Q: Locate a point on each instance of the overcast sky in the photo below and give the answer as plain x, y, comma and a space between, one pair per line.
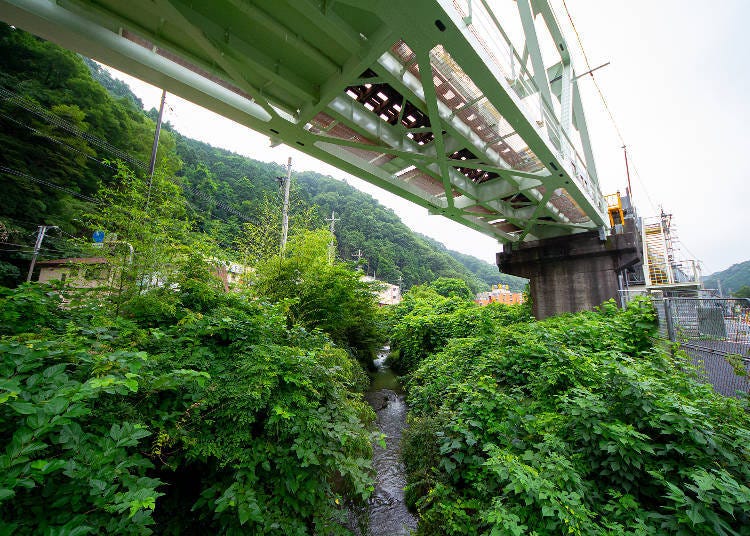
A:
678, 86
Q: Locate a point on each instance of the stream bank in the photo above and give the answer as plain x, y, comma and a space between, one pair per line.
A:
388, 513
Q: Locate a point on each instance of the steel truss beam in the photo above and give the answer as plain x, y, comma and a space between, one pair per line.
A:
299, 67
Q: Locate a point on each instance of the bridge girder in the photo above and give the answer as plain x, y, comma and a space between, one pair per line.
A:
450, 130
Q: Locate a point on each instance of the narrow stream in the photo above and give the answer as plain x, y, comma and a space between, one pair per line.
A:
388, 513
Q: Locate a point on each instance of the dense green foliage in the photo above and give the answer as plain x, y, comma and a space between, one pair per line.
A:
222, 420
573, 425
732, 279
742, 292
159, 401
323, 295
429, 316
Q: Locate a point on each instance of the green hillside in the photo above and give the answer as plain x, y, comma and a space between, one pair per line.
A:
484, 270
734, 277
389, 249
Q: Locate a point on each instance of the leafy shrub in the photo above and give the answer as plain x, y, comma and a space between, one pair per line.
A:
27, 308
573, 425
322, 295
425, 321
452, 288
223, 420
62, 470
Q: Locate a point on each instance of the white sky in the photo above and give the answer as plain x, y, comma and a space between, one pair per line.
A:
678, 87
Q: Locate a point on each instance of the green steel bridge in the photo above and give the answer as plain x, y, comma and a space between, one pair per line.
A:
469, 108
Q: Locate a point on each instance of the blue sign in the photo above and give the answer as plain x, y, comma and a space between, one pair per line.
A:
98, 237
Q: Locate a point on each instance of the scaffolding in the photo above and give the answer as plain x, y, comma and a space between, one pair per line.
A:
662, 267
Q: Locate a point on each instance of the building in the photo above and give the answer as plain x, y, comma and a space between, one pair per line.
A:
96, 272
388, 295
78, 272
499, 294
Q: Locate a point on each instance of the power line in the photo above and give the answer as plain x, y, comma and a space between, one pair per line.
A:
172, 179
54, 119
606, 104
591, 73
8, 218
103, 144
57, 141
13, 244
24, 247
17, 173
637, 174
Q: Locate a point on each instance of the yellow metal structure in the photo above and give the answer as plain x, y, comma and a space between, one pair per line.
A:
614, 208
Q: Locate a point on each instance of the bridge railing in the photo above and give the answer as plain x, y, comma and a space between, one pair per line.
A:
488, 31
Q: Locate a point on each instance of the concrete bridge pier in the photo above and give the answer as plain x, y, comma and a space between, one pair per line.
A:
571, 273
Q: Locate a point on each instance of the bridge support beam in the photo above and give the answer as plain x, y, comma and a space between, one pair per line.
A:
571, 273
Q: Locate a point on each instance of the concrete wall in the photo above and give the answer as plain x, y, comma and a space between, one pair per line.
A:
571, 273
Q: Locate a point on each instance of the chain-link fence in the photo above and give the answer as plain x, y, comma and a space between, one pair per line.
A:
715, 333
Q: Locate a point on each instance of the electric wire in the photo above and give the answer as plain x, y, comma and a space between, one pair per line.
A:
16, 173
14, 244
615, 125
8, 218
605, 102
54, 119
57, 141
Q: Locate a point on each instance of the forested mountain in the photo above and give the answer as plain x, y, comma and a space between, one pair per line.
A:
389, 249
483, 270
65, 111
54, 118
732, 279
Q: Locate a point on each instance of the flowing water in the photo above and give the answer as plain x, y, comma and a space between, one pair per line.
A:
388, 513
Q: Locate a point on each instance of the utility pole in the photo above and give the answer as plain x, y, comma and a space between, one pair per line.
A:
285, 182
627, 172
157, 133
39, 238
358, 256
331, 247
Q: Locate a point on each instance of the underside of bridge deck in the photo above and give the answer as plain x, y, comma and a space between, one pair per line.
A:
456, 105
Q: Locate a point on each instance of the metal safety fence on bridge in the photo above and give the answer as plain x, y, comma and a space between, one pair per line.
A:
715, 334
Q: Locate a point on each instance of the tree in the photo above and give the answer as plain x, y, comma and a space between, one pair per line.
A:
53, 109
148, 240
742, 292
452, 287
322, 295
261, 239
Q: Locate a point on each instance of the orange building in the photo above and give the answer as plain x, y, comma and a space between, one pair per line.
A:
499, 294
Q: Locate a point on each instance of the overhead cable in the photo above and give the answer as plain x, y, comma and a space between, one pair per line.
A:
605, 103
